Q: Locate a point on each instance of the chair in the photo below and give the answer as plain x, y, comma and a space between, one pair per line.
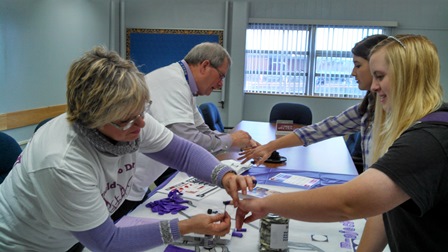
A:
353, 143
298, 113
200, 111
42, 123
211, 116
9, 151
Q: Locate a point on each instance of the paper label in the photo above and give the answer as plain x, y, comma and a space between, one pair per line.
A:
279, 236
294, 180
283, 127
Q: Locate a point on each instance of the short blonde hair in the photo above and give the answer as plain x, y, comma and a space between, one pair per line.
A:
415, 89
102, 87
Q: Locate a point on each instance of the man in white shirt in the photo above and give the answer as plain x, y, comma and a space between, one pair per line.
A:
173, 89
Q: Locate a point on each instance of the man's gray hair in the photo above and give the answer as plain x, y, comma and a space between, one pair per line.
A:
213, 52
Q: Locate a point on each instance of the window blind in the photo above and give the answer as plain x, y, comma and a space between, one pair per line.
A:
303, 59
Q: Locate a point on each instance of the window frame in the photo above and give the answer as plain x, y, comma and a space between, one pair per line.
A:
311, 55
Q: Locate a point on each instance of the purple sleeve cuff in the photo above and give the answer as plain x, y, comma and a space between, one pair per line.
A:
174, 225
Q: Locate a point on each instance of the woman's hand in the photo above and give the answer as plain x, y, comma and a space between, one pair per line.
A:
259, 154
234, 183
246, 206
218, 224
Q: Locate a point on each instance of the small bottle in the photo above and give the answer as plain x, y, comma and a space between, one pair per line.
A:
209, 242
274, 233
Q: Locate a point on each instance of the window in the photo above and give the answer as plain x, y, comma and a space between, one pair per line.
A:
305, 60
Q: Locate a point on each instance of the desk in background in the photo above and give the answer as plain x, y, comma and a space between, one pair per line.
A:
329, 156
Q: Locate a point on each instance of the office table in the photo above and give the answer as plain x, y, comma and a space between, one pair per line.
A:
329, 156
328, 160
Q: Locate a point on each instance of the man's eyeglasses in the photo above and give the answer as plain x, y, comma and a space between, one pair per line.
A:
221, 74
125, 125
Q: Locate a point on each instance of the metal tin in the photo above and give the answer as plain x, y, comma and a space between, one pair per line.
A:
274, 233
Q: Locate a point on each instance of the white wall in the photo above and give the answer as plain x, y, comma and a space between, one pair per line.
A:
38, 41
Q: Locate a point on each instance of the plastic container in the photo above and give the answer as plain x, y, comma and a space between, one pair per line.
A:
274, 231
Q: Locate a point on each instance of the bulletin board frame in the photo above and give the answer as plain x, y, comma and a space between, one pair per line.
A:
150, 49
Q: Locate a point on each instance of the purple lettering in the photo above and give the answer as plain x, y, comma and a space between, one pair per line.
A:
111, 186
347, 244
348, 223
351, 235
129, 167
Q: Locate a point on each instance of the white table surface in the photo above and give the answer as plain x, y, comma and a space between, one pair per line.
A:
299, 232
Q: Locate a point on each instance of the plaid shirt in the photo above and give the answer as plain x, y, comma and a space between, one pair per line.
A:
348, 122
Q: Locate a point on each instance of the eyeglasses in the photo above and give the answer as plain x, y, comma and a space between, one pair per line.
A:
398, 41
125, 125
221, 74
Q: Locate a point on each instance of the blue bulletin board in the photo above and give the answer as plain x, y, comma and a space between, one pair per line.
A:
154, 48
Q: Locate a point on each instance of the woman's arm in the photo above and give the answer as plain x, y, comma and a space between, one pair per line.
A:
189, 157
330, 203
108, 237
374, 236
348, 121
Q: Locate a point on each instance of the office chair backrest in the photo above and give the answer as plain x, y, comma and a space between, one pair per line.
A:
299, 113
211, 116
200, 111
9, 151
42, 123
353, 143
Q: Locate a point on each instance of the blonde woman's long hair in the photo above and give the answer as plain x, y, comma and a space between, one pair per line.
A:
415, 90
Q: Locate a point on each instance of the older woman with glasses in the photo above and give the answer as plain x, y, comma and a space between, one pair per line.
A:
405, 190
78, 168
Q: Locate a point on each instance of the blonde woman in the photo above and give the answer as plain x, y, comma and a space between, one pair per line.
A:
404, 193
78, 168
357, 118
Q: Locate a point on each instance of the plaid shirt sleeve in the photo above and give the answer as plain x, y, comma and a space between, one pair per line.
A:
346, 122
